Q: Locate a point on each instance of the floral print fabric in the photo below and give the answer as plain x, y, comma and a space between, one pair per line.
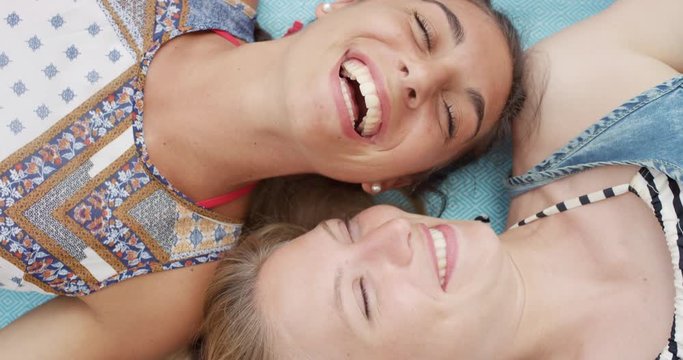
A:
80, 207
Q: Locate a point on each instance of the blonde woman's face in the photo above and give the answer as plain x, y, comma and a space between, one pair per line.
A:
385, 285
382, 88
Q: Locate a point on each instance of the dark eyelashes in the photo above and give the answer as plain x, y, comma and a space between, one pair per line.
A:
451, 119
425, 27
364, 293
361, 282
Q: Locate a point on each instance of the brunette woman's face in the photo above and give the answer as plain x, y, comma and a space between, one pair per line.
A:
377, 89
388, 285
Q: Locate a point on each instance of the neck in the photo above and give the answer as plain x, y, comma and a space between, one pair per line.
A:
240, 131
559, 301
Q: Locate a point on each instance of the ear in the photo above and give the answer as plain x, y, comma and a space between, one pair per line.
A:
390, 184
336, 5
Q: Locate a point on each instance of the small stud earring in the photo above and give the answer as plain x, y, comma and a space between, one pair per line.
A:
376, 188
327, 7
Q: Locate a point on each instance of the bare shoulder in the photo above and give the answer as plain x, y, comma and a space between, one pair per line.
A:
651, 28
628, 35
141, 318
582, 73
164, 309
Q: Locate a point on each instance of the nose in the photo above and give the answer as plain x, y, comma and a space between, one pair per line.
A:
390, 244
422, 78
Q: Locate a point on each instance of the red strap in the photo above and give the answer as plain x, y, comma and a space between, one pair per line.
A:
226, 35
296, 26
234, 195
227, 198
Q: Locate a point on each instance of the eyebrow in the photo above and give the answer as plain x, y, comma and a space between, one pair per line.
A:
479, 104
337, 291
456, 27
338, 274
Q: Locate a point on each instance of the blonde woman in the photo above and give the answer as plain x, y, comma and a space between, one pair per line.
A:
589, 269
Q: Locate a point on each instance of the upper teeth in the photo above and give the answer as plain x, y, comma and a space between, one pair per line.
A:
440, 247
356, 70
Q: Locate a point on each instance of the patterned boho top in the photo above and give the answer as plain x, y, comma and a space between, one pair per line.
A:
81, 207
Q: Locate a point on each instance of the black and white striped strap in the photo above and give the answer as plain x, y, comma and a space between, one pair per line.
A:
576, 202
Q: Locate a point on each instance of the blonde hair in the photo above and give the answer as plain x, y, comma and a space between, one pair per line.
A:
234, 327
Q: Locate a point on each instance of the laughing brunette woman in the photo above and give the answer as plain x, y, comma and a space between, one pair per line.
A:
137, 130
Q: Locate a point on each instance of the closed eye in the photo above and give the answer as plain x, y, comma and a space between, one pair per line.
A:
450, 113
426, 28
364, 294
361, 282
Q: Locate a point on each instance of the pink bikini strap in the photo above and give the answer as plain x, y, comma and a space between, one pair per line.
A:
226, 35
226, 198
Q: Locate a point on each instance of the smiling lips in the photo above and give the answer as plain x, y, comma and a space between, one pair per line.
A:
444, 248
360, 97
441, 258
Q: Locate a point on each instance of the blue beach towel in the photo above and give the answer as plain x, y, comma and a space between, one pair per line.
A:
473, 190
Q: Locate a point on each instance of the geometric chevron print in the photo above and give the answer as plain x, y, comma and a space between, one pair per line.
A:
179, 232
156, 214
81, 207
40, 213
134, 13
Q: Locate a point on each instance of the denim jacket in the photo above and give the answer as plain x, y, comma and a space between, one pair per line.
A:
645, 131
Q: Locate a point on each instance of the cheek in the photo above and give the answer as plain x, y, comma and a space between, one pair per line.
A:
496, 86
490, 243
406, 303
424, 152
386, 24
419, 338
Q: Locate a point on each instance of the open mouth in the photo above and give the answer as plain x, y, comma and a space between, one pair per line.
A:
360, 96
